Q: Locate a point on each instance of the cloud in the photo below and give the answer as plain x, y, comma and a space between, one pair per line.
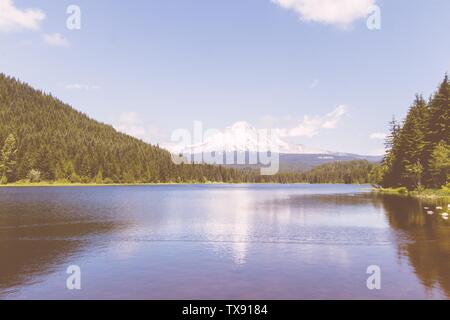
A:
311, 125
341, 13
378, 136
331, 119
55, 40
14, 19
131, 123
78, 86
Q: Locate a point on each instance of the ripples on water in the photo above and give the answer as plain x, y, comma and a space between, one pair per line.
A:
220, 242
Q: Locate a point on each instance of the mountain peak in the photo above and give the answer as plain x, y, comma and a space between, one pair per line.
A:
242, 125
243, 137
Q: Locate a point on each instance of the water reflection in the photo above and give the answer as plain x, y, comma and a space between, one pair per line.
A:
423, 239
42, 229
240, 241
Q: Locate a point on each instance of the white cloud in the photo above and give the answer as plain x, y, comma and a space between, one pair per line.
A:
55, 40
14, 19
341, 13
311, 125
378, 136
78, 86
331, 119
132, 123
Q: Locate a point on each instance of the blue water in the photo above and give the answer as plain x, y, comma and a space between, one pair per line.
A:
220, 242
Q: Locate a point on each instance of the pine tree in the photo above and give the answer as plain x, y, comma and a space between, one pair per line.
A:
439, 120
8, 159
439, 165
392, 159
412, 143
438, 126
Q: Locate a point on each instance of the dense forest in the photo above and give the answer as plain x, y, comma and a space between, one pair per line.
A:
356, 171
418, 150
43, 139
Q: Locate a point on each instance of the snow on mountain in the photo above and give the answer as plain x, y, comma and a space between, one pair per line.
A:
243, 137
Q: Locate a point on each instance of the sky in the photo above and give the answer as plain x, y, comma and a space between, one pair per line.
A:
312, 68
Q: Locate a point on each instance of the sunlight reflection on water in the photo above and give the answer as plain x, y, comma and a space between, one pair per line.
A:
220, 242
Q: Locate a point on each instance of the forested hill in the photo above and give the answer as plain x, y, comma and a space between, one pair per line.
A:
44, 139
355, 171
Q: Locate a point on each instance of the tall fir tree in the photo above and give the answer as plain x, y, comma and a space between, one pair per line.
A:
438, 126
8, 161
439, 119
412, 143
391, 161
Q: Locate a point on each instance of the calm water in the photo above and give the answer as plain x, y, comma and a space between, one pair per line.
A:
220, 242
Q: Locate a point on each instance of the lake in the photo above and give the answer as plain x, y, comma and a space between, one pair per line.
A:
220, 242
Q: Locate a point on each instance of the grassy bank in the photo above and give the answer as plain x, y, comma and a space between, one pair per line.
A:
430, 194
26, 184
69, 184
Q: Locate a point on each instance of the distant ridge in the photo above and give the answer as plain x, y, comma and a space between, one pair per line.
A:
242, 137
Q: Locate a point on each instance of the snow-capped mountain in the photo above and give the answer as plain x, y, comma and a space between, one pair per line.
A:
243, 137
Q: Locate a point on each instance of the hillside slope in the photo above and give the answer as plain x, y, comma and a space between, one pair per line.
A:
46, 138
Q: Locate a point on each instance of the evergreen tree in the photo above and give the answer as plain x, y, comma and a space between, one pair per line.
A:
412, 143
9, 158
392, 159
418, 152
439, 165
438, 127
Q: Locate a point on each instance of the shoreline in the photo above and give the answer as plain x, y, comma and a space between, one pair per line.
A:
60, 184
427, 194
56, 184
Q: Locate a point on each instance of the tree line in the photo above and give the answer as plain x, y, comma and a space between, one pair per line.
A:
418, 149
44, 139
